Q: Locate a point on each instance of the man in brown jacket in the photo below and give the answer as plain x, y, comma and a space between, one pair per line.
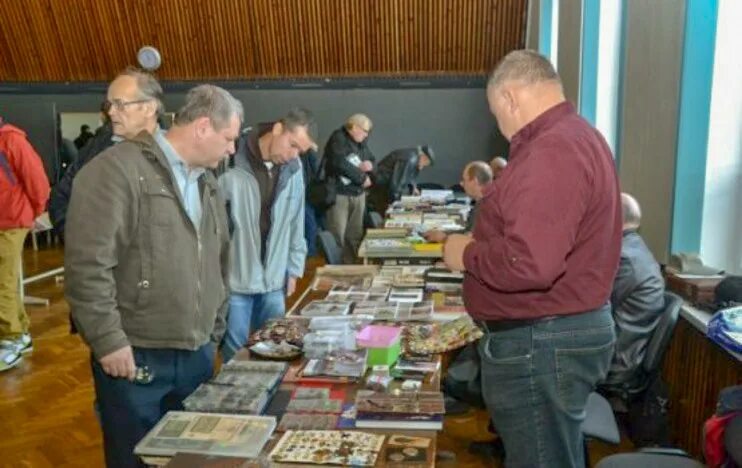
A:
146, 264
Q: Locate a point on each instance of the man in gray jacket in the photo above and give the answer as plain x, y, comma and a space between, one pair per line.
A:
146, 265
264, 188
637, 301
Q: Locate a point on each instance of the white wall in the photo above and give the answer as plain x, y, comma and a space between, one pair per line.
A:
609, 53
721, 234
72, 121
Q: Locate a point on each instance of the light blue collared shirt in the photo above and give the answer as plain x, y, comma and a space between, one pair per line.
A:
186, 179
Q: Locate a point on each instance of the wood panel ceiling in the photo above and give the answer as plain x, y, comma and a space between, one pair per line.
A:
91, 40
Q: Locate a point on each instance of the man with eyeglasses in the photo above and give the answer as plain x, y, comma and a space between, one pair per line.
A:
264, 188
133, 104
147, 262
349, 165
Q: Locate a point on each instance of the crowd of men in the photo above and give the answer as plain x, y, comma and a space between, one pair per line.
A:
179, 242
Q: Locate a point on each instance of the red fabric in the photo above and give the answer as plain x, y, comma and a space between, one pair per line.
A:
548, 232
24, 187
713, 435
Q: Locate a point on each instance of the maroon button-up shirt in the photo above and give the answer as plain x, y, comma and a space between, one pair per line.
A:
548, 235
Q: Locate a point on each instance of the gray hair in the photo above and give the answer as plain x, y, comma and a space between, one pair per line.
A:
209, 101
148, 86
527, 66
297, 117
359, 120
632, 213
479, 170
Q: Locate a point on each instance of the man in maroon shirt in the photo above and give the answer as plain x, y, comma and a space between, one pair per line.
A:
540, 265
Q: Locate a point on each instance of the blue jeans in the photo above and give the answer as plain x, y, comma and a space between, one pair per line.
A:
129, 410
249, 312
535, 383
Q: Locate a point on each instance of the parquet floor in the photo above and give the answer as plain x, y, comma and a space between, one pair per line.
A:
46, 403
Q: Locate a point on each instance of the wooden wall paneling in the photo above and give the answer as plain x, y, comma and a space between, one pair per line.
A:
695, 370
92, 40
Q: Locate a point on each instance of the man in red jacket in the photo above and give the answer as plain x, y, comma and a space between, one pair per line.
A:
540, 266
24, 190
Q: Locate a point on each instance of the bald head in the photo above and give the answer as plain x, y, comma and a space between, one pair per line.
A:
522, 86
632, 213
497, 164
476, 176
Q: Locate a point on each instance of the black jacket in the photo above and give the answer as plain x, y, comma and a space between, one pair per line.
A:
310, 166
637, 301
62, 191
339, 149
396, 171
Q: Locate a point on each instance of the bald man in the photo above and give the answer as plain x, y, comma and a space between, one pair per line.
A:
637, 301
474, 179
498, 164
540, 265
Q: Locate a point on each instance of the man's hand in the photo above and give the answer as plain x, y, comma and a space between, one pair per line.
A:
366, 166
290, 286
367, 182
119, 364
453, 251
435, 235
416, 192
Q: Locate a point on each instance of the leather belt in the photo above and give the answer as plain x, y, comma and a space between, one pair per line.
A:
505, 325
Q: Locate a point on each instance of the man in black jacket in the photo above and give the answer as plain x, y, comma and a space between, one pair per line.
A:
396, 171
637, 301
84, 136
349, 166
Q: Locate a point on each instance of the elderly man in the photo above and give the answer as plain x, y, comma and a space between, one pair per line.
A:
265, 191
637, 300
498, 164
349, 165
134, 103
398, 170
146, 265
540, 266
476, 177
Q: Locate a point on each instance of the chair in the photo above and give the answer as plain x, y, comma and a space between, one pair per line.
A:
330, 248
650, 458
375, 219
600, 423
660, 339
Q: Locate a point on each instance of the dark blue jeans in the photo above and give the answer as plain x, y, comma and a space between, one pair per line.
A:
311, 227
535, 383
129, 410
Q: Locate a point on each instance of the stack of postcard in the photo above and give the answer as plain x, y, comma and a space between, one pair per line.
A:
326, 308
347, 275
356, 294
328, 447
395, 311
226, 435
406, 295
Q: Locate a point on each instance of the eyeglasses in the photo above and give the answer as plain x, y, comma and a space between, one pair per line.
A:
120, 105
